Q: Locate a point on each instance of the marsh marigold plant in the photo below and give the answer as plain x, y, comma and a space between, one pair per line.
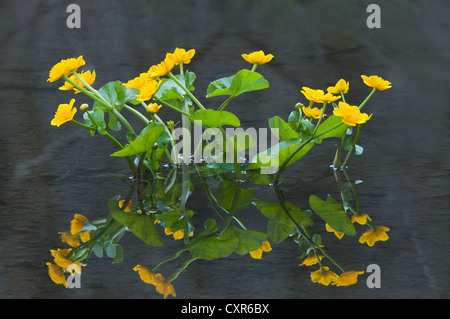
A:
160, 183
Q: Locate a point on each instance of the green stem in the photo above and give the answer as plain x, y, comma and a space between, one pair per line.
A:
91, 128
283, 166
137, 113
173, 78
225, 104
320, 118
170, 106
98, 98
353, 147
230, 147
367, 98
255, 65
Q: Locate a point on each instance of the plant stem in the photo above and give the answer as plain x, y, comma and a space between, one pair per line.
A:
173, 78
367, 98
170, 105
283, 166
353, 147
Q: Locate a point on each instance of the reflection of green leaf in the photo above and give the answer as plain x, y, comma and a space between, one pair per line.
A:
140, 225
209, 246
280, 226
212, 118
333, 214
141, 144
226, 194
243, 81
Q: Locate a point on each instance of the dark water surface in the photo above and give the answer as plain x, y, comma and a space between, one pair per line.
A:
48, 173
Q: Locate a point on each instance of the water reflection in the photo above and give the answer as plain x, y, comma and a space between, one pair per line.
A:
157, 206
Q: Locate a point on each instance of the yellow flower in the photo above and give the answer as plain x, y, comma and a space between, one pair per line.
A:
146, 275
153, 108
148, 90
311, 260
139, 82
331, 230
377, 82
163, 68
348, 278
180, 55
163, 287
77, 224
257, 57
351, 115
179, 234
129, 206
56, 274
360, 218
65, 67
313, 112
341, 86
324, 276
265, 247
371, 237
65, 113
87, 77
328, 98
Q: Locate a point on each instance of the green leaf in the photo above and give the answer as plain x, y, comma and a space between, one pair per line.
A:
243, 81
141, 144
332, 212
281, 129
212, 118
329, 123
141, 225
280, 226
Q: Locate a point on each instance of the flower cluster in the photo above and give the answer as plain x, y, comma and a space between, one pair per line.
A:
62, 262
162, 286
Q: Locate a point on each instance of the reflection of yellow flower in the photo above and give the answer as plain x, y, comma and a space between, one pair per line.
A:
265, 247
148, 90
183, 56
377, 82
65, 67
351, 115
71, 240
163, 287
129, 206
163, 68
331, 230
56, 274
348, 278
324, 276
146, 275
360, 218
372, 236
179, 234
341, 86
313, 112
87, 77
77, 224
65, 113
311, 260
257, 57
60, 257
153, 108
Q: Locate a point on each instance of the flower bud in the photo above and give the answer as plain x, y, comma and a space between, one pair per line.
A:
299, 106
84, 107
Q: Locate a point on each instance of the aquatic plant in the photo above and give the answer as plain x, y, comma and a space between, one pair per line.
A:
161, 175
